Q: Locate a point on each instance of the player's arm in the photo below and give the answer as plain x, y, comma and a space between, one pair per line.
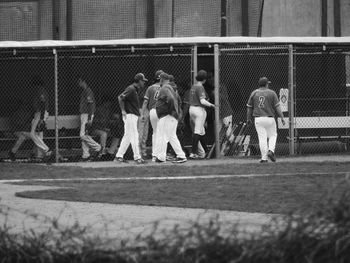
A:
121, 99
202, 98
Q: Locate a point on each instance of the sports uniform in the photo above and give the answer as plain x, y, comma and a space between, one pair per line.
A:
87, 110
262, 104
198, 102
149, 105
130, 105
29, 123
167, 110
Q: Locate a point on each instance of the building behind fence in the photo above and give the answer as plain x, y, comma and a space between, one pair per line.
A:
24, 20
312, 79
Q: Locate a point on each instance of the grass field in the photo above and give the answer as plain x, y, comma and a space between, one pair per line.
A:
284, 187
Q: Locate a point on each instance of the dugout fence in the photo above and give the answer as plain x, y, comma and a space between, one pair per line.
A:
312, 80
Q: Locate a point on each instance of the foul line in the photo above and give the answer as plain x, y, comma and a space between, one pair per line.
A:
155, 178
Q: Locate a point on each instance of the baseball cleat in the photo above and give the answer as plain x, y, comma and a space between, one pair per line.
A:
140, 161
87, 159
159, 161
180, 160
263, 161
193, 156
271, 156
120, 160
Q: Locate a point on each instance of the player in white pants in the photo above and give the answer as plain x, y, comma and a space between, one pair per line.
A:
167, 109
129, 104
87, 110
198, 101
262, 105
149, 104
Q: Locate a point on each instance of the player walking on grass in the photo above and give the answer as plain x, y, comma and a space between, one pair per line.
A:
87, 110
129, 104
262, 104
149, 105
167, 109
198, 102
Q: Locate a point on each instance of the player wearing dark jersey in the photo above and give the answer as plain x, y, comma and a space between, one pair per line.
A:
263, 104
198, 102
130, 106
87, 110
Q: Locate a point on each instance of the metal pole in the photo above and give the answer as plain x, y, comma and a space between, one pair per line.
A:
217, 99
291, 104
195, 64
56, 106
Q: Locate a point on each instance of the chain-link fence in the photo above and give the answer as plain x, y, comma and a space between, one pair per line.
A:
312, 83
127, 19
322, 98
240, 69
106, 71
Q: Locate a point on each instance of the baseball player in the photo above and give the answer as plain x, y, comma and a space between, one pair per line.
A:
198, 102
149, 105
30, 124
87, 110
262, 105
167, 109
130, 106
107, 123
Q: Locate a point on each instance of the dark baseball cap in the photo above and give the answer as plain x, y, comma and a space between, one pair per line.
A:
140, 76
157, 75
165, 76
263, 82
201, 75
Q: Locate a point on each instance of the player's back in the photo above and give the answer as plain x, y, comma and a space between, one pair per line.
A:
263, 101
151, 95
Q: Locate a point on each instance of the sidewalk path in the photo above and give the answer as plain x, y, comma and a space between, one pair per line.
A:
109, 219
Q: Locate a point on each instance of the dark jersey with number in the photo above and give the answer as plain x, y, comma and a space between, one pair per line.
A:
264, 102
151, 95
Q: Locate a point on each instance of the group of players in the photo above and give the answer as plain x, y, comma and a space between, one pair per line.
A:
162, 107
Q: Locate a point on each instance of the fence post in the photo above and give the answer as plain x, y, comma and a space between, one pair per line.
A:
56, 106
217, 100
194, 63
291, 102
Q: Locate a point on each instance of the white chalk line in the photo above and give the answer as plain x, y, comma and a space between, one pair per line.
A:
159, 178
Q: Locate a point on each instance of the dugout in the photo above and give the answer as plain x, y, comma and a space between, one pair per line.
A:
315, 71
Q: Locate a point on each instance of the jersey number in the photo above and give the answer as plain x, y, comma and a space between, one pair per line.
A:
261, 102
156, 95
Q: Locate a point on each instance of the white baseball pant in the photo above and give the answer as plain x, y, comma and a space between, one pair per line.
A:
198, 117
131, 136
40, 147
166, 132
102, 135
86, 140
267, 133
154, 122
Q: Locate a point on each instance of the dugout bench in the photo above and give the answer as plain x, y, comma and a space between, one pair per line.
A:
68, 125
320, 128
